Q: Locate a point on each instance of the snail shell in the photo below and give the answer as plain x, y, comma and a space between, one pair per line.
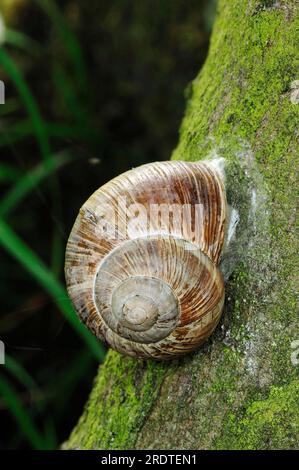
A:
145, 287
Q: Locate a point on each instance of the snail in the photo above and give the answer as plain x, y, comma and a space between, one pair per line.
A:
142, 259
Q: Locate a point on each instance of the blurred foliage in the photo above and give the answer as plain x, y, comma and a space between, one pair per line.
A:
92, 89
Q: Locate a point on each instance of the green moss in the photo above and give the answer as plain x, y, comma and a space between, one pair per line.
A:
122, 397
240, 108
272, 423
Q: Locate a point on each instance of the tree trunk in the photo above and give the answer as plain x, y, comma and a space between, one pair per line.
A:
241, 389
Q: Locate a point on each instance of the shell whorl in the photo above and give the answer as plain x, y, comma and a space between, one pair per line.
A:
148, 288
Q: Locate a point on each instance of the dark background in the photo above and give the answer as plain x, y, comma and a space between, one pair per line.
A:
92, 89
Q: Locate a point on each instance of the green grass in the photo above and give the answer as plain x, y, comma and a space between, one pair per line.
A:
30, 181
76, 108
19, 372
22, 41
23, 418
59, 391
8, 173
43, 275
69, 40
74, 89
29, 102
13, 133
24, 184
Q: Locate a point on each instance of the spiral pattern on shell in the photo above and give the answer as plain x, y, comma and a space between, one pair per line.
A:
147, 288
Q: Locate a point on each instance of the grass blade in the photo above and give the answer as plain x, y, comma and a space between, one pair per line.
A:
19, 372
22, 41
29, 101
8, 173
20, 414
29, 181
69, 39
79, 113
20, 130
31, 262
12, 133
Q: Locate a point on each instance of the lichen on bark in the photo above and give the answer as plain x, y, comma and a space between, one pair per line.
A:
240, 390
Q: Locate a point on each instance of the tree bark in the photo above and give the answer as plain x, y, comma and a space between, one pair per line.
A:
241, 389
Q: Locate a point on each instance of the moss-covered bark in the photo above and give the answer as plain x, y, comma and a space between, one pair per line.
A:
241, 389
